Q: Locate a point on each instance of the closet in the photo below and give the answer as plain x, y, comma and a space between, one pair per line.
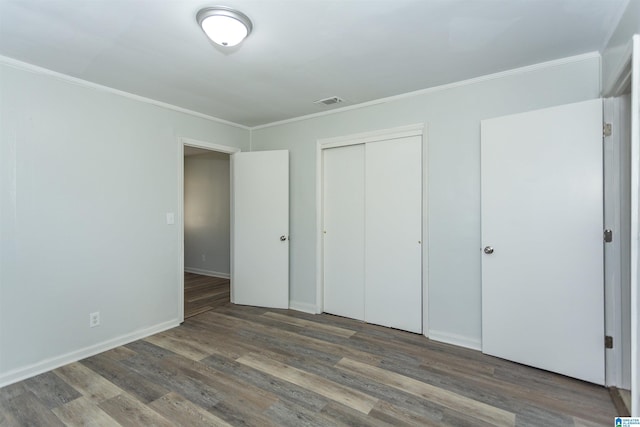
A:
372, 231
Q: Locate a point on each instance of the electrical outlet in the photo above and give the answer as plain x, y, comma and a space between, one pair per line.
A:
94, 319
204, 258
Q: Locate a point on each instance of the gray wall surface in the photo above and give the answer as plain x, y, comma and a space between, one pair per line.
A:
452, 116
86, 180
206, 214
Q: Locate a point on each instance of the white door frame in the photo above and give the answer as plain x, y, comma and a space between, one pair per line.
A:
612, 252
617, 256
635, 211
362, 138
211, 147
626, 79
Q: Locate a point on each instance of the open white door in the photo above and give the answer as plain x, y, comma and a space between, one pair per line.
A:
260, 263
542, 225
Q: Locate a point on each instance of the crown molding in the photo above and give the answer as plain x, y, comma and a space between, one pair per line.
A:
488, 77
24, 66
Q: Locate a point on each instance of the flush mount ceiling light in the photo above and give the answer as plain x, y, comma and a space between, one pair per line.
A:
223, 25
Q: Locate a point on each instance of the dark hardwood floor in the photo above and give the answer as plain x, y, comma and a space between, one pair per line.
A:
203, 293
247, 366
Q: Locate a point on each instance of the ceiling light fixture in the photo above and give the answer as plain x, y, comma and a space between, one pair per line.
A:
223, 25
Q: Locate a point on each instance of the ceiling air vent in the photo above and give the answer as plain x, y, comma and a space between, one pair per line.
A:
329, 101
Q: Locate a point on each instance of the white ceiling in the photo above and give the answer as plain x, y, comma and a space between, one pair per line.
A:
300, 50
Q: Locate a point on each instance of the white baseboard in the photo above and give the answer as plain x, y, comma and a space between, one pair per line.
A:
207, 272
459, 340
56, 362
305, 307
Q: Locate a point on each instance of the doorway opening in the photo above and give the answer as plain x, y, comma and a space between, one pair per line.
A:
205, 226
207, 230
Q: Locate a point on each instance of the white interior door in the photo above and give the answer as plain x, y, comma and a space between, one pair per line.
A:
343, 228
393, 263
260, 265
542, 202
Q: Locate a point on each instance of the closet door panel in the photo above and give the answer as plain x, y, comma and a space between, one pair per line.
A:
343, 192
393, 206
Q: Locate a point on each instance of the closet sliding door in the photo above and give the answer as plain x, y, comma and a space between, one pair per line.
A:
393, 260
372, 228
344, 231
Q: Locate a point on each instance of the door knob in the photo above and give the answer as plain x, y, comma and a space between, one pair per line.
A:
488, 250
283, 238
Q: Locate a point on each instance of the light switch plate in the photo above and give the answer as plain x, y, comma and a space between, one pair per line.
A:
171, 219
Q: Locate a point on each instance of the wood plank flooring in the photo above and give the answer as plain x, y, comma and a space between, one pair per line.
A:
203, 293
247, 366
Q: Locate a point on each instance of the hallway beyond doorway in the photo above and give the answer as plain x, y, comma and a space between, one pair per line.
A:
203, 293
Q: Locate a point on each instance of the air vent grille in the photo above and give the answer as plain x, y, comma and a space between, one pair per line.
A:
329, 101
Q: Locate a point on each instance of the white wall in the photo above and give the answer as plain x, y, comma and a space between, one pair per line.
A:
86, 178
206, 214
453, 115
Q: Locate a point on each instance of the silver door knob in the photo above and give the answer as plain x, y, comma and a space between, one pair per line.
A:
283, 238
488, 250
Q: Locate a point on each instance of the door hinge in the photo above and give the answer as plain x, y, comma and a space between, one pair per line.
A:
608, 236
608, 342
606, 129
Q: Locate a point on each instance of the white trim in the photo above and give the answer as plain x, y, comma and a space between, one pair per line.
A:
207, 273
454, 339
488, 77
209, 146
319, 235
612, 251
181, 268
621, 78
611, 147
372, 136
304, 307
425, 232
24, 66
635, 248
600, 76
74, 80
418, 129
232, 229
619, 84
58, 361
181, 230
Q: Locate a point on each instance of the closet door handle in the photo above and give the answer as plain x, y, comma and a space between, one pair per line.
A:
283, 238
